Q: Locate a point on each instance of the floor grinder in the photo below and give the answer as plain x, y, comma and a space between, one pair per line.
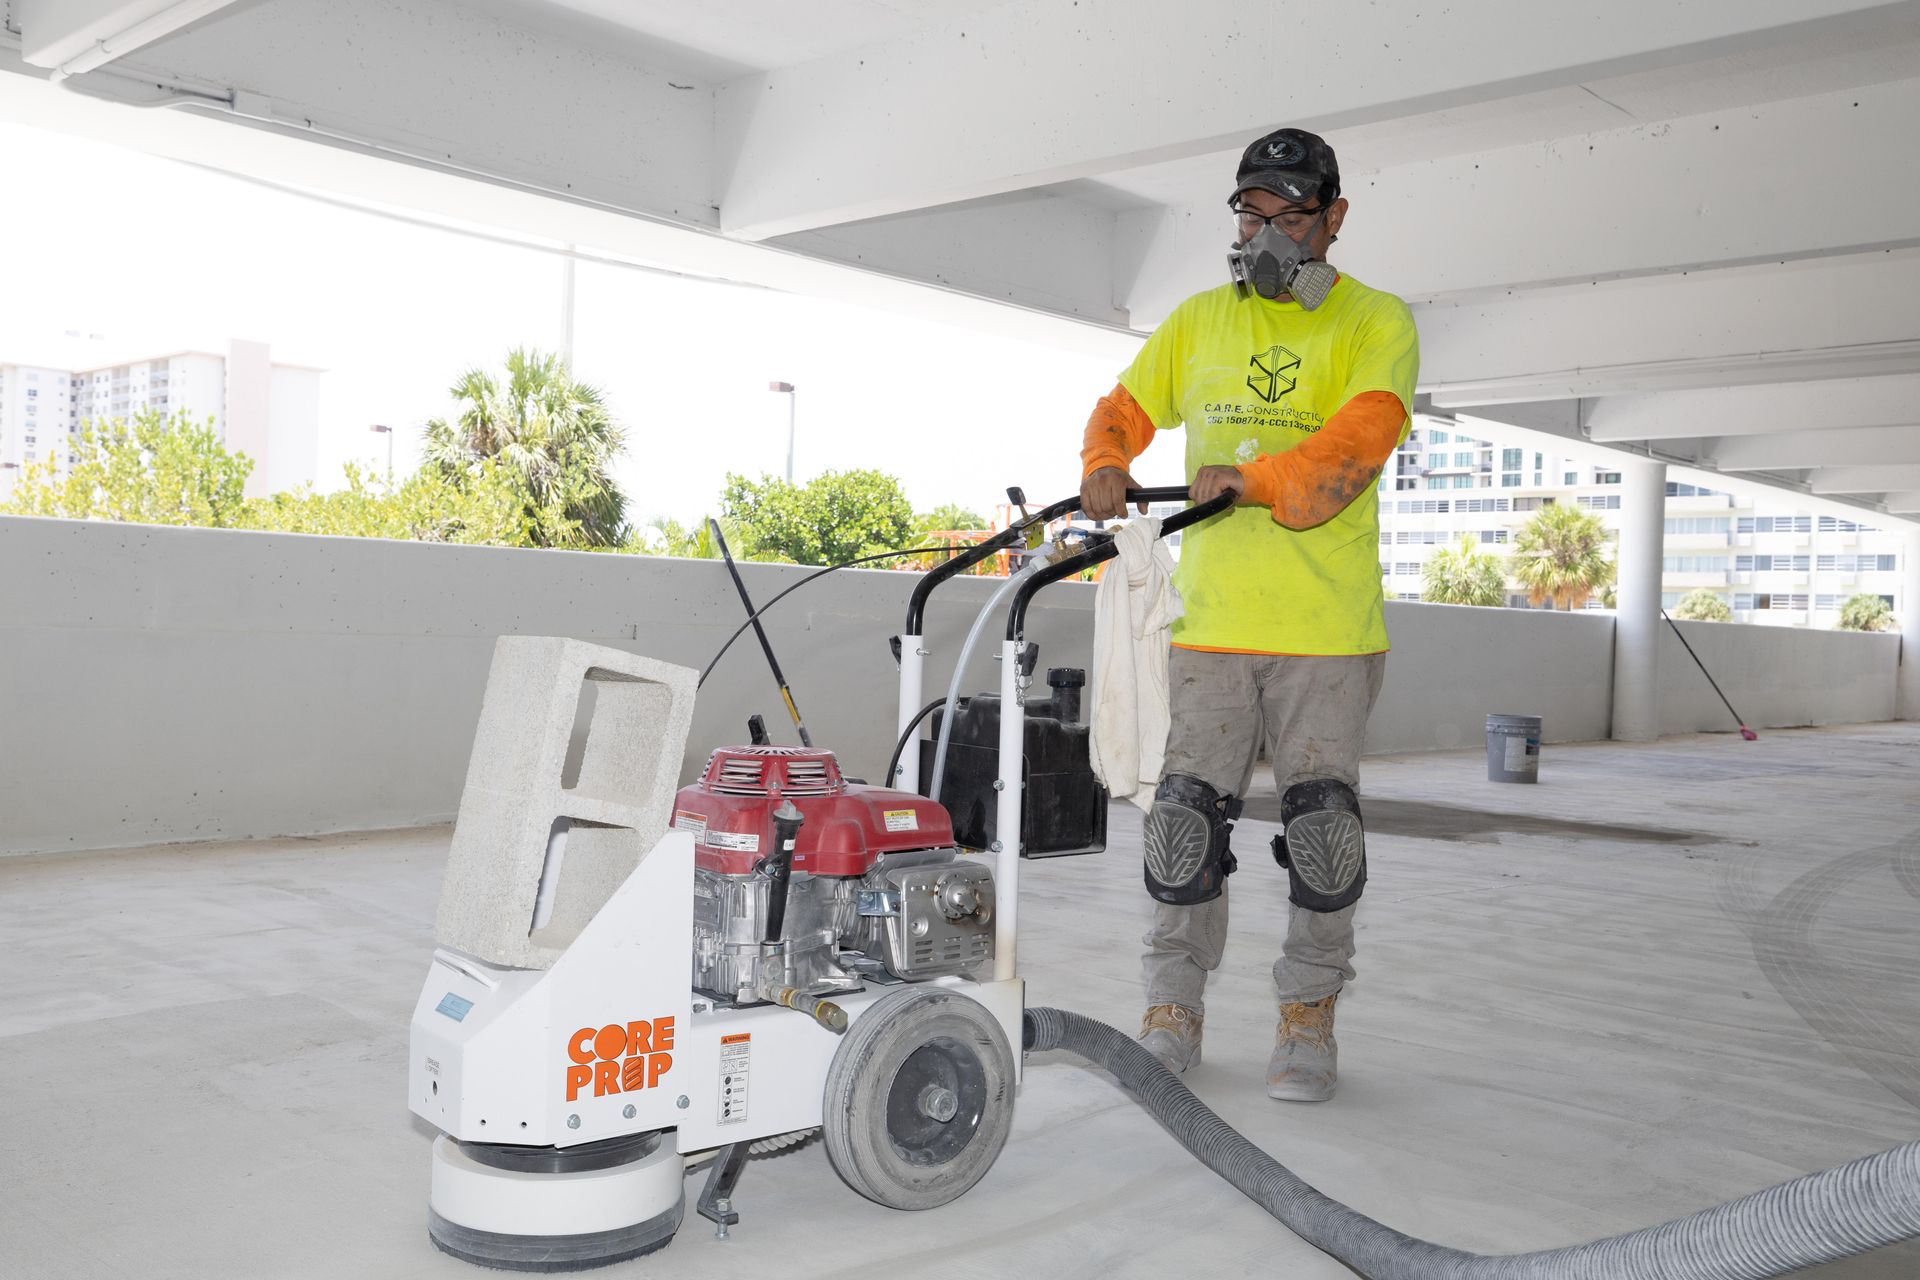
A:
803, 952
798, 951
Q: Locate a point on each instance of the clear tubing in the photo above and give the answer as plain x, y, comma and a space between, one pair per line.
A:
1033, 566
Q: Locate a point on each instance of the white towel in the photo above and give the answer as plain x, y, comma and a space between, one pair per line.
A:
1133, 611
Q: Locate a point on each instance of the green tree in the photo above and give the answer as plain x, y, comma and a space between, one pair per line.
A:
553, 434
1865, 612
1702, 605
489, 507
834, 517
1463, 574
151, 470
1561, 555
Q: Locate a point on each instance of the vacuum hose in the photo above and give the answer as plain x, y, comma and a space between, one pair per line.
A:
1858, 1206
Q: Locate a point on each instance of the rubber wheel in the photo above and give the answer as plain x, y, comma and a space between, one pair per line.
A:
919, 1098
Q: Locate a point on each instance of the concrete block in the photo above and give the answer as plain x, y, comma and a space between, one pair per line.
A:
518, 794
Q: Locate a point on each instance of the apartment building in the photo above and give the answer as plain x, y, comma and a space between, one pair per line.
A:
270, 411
1770, 563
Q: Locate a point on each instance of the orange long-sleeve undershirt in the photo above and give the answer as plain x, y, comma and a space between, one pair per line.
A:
1118, 432
1314, 481
1303, 486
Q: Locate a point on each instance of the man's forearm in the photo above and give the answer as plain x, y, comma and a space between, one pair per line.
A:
1314, 481
1118, 432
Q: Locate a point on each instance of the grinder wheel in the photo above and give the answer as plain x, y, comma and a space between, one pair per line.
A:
919, 1098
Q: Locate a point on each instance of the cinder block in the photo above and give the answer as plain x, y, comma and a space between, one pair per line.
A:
619, 805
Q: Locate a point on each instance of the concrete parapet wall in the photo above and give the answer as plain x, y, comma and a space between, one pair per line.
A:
1778, 676
162, 684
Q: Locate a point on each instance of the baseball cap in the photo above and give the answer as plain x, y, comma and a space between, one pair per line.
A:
1291, 163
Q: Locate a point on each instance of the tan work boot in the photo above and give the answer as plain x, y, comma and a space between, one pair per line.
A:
1303, 1066
1171, 1033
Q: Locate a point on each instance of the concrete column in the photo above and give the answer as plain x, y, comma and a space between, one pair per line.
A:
1637, 621
1907, 687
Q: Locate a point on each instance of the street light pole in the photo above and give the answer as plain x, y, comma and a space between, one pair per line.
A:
787, 387
388, 432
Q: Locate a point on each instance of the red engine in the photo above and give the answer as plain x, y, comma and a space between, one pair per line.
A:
846, 829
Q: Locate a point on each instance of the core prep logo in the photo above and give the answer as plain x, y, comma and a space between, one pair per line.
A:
619, 1057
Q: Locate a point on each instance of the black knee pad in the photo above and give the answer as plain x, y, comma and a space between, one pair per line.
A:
1188, 860
1324, 847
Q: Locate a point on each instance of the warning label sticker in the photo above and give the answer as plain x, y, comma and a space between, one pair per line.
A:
748, 842
1522, 755
902, 820
735, 1064
694, 822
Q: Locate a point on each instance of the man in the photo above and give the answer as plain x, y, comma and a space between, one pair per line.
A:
1294, 385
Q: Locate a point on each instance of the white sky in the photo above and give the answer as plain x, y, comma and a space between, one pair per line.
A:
156, 256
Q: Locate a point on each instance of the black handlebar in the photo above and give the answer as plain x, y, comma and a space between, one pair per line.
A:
1106, 550
917, 602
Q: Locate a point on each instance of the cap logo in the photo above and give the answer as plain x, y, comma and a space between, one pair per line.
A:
1285, 151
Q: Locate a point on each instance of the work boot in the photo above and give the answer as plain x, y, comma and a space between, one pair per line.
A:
1302, 1068
1171, 1033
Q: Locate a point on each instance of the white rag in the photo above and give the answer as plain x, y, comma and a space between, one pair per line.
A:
1133, 611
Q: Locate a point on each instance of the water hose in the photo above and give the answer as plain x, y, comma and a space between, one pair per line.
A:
1862, 1205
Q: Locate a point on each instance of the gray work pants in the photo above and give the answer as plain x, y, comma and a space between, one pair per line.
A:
1313, 713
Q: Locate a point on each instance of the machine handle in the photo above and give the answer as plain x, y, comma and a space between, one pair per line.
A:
923, 589
1106, 550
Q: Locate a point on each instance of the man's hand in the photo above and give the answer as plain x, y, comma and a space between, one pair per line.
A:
1210, 482
1103, 494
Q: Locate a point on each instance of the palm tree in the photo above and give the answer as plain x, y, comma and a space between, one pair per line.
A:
550, 432
1463, 575
1561, 555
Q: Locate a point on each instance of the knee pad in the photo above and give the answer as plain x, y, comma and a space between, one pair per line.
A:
1323, 847
1188, 860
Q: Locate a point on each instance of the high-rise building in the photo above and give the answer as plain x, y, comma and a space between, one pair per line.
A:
266, 410
1768, 561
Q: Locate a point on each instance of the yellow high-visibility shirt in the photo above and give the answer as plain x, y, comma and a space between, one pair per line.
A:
1246, 377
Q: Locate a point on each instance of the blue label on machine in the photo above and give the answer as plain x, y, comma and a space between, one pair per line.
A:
453, 1006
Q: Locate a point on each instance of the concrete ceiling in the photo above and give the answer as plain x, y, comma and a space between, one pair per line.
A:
1691, 232
698, 40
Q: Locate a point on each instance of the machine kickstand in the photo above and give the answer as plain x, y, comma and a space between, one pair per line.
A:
716, 1198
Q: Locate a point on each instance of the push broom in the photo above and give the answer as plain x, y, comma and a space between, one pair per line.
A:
1745, 732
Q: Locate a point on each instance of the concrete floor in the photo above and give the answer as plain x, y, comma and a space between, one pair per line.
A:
1668, 975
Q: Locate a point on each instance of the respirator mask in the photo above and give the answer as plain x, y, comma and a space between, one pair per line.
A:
1271, 263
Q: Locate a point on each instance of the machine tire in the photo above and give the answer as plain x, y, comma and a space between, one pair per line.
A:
881, 1138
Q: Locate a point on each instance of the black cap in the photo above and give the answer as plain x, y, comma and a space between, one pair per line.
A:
1293, 164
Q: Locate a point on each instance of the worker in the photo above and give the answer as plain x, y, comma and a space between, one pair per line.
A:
1294, 384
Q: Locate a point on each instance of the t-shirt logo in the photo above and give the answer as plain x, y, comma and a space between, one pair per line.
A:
1269, 378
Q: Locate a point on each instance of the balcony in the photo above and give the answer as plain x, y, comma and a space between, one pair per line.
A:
1676, 543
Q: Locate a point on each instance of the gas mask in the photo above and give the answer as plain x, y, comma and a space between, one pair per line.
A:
1273, 263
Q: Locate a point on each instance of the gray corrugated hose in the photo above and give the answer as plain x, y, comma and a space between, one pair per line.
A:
1858, 1206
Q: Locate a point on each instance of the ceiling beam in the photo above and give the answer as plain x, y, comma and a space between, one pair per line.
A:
1687, 373
1903, 502
1031, 249
71, 37
1839, 446
1690, 194
1727, 315
1874, 479
1797, 409
1038, 92
430, 83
